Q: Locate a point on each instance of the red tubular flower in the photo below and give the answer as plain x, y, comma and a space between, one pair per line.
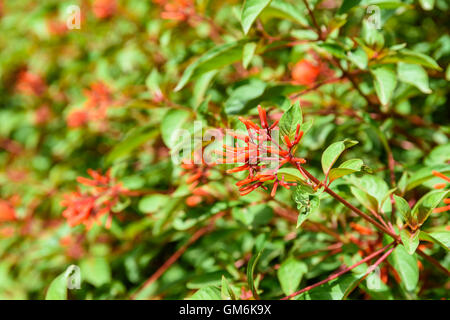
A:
198, 173
442, 186
30, 84
89, 207
259, 151
99, 99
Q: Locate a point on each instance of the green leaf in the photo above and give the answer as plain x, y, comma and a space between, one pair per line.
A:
251, 11
335, 289
290, 275
385, 81
251, 271
240, 96
427, 5
414, 75
286, 11
133, 140
441, 238
289, 121
334, 49
173, 120
427, 204
227, 292
347, 5
253, 216
333, 152
152, 203
96, 271
348, 167
439, 155
307, 201
215, 58
372, 185
365, 199
410, 240
58, 288
207, 293
358, 57
248, 52
404, 209
290, 174
406, 266
413, 57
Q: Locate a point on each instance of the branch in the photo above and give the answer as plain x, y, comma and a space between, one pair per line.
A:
372, 268
433, 262
314, 21
350, 206
338, 274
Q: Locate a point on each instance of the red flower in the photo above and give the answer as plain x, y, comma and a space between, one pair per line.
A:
77, 118
89, 207
99, 98
30, 84
442, 186
305, 72
197, 175
7, 212
179, 10
56, 28
104, 8
261, 150
42, 114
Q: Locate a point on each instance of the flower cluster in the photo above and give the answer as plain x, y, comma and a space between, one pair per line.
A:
179, 10
99, 98
259, 154
197, 177
89, 207
442, 185
30, 84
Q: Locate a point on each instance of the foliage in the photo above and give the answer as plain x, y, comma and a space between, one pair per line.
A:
257, 149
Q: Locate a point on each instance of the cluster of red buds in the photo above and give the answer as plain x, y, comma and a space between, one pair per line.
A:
104, 9
30, 84
179, 10
442, 185
99, 98
197, 176
261, 150
89, 207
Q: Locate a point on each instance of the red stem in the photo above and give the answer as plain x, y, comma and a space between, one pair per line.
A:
350, 206
433, 261
338, 274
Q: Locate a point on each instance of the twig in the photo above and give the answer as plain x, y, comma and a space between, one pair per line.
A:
372, 268
350, 206
338, 274
433, 262
314, 21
